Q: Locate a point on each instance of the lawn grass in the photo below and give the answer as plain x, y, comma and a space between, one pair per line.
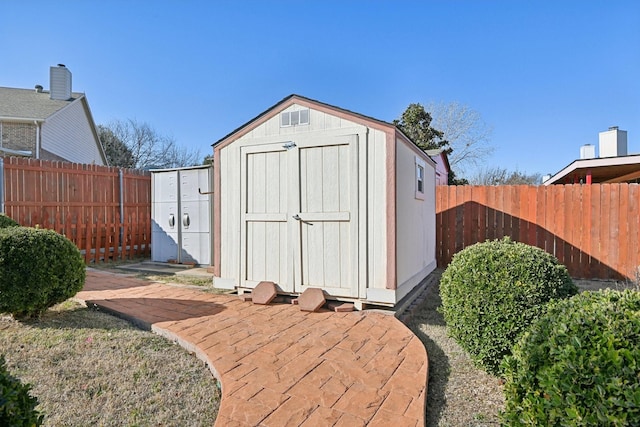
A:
90, 368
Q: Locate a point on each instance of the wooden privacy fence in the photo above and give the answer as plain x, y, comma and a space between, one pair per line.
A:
105, 211
592, 229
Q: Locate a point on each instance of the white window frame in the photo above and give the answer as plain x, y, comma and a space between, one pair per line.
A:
421, 166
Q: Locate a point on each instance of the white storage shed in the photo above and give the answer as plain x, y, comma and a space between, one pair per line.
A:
181, 215
312, 195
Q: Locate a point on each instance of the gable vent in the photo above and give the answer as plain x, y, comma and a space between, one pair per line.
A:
294, 118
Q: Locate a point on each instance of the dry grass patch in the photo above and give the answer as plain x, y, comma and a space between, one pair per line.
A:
90, 368
459, 394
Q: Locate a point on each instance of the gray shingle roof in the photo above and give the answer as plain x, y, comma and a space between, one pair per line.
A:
29, 104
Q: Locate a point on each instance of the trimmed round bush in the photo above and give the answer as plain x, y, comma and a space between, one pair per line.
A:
6, 221
492, 291
579, 364
17, 406
38, 268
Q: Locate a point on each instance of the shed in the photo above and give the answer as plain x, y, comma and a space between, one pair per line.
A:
309, 195
181, 215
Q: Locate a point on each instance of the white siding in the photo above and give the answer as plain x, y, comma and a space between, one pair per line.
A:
415, 221
68, 134
230, 213
377, 225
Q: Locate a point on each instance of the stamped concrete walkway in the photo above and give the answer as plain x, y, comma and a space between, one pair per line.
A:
279, 366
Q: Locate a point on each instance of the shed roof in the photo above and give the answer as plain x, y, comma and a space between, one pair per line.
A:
27, 104
299, 99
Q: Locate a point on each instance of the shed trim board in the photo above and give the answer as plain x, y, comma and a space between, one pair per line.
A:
273, 157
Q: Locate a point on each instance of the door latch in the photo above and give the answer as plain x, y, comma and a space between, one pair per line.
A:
289, 145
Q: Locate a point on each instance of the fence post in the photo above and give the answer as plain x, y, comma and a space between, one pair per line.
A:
121, 179
2, 185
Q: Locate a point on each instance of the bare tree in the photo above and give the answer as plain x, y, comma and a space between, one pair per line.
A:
501, 176
144, 148
468, 135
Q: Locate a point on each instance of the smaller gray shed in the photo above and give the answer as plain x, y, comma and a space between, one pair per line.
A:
181, 215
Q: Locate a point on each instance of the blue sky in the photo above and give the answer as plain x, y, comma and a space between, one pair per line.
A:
547, 76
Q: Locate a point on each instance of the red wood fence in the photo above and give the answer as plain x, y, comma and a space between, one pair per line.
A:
105, 211
592, 229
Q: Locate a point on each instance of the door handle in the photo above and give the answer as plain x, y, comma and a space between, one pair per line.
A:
297, 218
186, 220
172, 220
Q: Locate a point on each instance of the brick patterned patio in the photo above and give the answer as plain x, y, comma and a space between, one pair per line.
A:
280, 366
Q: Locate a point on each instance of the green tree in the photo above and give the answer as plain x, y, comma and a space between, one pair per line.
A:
415, 122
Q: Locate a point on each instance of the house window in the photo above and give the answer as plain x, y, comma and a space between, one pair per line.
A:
420, 167
294, 118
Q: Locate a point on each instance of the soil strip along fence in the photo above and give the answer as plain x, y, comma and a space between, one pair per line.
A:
105, 211
592, 229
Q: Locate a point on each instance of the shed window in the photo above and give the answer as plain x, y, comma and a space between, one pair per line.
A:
420, 167
294, 118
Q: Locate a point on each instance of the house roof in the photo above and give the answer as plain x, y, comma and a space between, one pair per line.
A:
603, 170
27, 104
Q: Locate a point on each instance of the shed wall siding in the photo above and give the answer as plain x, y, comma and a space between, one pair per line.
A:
68, 134
415, 220
378, 226
230, 213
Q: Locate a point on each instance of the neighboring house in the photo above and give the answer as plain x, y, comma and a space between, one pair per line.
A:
439, 156
49, 125
309, 195
613, 165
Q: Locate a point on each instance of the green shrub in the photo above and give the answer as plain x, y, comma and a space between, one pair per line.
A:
579, 364
5, 222
492, 291
17, 406
38, 268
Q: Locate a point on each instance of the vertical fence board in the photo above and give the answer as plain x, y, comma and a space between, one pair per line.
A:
623, 232
481, 204
467, 216
633, 268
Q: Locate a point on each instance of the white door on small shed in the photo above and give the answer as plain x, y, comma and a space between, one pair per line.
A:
299, 215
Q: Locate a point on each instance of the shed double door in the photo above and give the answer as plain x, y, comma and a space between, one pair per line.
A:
180, 216
299, 215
